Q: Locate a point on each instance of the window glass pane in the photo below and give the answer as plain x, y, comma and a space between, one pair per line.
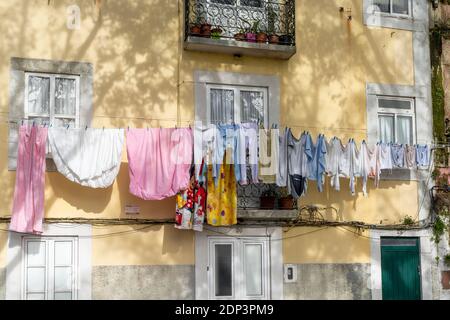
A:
252, 106
400, 6
63, 296
36, 279
61, 122
36, 296
253, 269
386, 129
223, 1
223, 270
38, 95
63, 253
252, 3
65, 96
404, 130
222, 106
383, 5
396, 104
63, 278
36, 253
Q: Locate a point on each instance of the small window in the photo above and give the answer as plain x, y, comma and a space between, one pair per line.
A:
52, 99
396, 120
49, 268
393, 7
237, 104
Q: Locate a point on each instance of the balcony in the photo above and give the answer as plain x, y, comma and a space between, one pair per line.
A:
261, 28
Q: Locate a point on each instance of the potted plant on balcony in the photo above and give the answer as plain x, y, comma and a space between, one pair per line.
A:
195, 28
271, 18
240, 36
215, 33
205, 29
267, 199
250, 35
285, 201
286, 39
261, 36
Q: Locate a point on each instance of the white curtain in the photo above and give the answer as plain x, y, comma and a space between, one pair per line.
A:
38, 95
386, 128
384, 5
252, 106
400, 6
404, 130
222, 106
65, 96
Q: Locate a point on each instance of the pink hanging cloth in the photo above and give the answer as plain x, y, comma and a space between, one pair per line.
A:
28, 204
159, 161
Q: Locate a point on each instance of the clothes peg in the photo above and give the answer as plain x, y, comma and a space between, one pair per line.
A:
86, 128
128, 128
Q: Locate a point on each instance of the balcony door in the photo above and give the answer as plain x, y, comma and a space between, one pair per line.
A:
234, 15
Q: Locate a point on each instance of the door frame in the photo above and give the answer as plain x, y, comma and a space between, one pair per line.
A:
274, 234
426, 254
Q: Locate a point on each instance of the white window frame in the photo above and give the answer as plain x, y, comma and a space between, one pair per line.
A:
393, 14
396, 113
50, 265
273, 241
237, 100
51, 115
83, 252
238, 266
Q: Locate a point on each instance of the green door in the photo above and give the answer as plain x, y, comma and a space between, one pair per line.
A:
400, 268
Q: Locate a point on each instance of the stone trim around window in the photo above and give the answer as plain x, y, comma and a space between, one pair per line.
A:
20, 66
418, 21
15, 256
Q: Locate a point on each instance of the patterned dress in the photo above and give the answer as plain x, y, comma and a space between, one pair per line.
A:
222, 198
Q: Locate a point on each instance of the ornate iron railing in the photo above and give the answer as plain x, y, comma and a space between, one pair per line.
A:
260, 21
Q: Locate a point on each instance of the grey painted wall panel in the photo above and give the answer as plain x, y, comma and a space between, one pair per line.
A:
171, 282
330, 282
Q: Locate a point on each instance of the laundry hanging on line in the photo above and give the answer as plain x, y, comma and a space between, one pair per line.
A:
89, 157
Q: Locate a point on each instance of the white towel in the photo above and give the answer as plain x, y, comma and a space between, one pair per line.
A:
90, 157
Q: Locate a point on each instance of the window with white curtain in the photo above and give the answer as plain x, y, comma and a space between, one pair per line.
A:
394, 7
236, 104
396, 120
52, 99
49, 268
238, 268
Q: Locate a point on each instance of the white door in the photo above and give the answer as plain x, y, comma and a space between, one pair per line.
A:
238, 268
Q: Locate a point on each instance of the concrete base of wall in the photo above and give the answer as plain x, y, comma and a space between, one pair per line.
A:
2, 283
330, 282
143, 282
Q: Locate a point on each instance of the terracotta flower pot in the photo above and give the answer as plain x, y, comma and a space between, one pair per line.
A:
196, 30
250, 37
206, 30
267, 202
261, 37
239, 37
286, 203
274, 39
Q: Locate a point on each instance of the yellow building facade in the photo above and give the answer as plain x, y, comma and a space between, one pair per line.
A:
141, 75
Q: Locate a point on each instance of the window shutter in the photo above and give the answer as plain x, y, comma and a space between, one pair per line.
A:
16, 113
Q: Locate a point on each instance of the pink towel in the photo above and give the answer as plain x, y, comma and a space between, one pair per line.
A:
28, 205
159, 161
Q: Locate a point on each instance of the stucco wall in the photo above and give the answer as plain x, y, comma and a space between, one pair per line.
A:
143, 77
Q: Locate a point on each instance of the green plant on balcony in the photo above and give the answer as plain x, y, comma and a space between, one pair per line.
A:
272, 17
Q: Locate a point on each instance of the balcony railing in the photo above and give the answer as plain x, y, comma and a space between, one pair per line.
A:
249, 27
